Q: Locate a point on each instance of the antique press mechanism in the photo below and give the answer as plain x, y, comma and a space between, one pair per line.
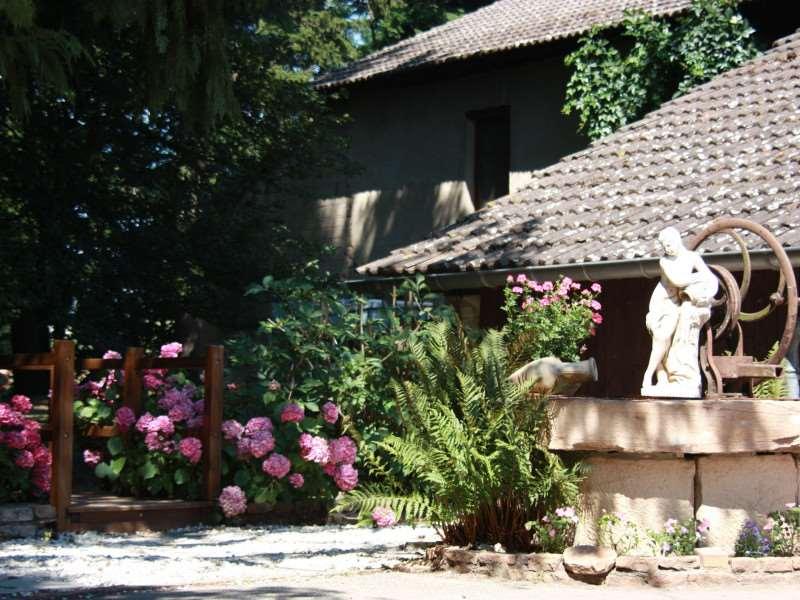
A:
726, 368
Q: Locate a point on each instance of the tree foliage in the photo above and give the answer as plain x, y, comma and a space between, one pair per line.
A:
474, 449
617, 78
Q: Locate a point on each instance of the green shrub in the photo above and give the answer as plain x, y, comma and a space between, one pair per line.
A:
474, 447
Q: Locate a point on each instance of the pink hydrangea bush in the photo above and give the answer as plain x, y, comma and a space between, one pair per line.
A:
563, 313
25, 462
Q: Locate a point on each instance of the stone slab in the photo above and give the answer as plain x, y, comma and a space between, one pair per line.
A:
589, 560
734, 489
777, 564
637, 564
17, 530
544, 562
679, 563
646, 490
44, 512
15, 513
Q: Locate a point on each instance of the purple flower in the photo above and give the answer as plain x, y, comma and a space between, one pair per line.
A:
346, 477
330, 412
232, 501
276, 465
292, 413
232, 429
92, 457
124, 418
261, 443
24, 460
161, 424
342, 450
258, 424
296, 480
314, 448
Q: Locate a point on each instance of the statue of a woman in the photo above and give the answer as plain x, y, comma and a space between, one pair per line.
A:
679, 306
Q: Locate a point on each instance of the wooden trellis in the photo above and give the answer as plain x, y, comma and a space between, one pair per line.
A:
78, 512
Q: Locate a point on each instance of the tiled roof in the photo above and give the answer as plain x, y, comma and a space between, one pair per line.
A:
731, 147
501, 26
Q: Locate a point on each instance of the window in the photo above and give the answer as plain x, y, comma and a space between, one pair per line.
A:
492, 153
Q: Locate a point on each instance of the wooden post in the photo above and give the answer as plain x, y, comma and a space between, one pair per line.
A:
61, 420
212, 421
132, 386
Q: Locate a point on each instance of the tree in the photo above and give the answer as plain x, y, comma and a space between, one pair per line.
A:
617, 79
134, 186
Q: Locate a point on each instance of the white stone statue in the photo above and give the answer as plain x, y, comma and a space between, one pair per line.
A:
679, 306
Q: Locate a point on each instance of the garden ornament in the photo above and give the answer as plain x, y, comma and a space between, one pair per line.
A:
551, 375
679, 307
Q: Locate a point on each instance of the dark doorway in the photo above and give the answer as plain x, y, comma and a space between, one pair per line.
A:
492, 153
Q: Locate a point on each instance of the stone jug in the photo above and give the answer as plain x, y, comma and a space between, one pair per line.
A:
552, 376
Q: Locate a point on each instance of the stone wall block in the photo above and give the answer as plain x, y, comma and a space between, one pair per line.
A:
17, 530
44, 512
647, 490
777, 564
544, 562
679, 563
16, 513
637, 564
745, 564
737, 488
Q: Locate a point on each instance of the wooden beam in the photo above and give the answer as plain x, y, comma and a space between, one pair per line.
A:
132, 384
645, 426
62, 423
212, 421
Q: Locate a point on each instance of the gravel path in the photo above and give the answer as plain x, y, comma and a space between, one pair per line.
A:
202, 556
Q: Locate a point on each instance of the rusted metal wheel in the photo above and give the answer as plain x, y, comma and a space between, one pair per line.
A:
733, 293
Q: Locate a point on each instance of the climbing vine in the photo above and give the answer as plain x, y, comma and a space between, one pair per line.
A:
619, 75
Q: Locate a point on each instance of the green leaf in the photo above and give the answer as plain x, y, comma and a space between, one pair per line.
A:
115, 445
117, 465
242, 478
181, 476
87, 412
148, 470
103, 470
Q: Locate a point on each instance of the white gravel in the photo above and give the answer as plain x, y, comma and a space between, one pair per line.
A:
203, 556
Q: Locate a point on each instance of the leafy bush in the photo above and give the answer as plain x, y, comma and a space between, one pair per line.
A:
678, 538
549, 319
616, 531
97, 395
474, 448
317, 345
752, 542
555, 531
783, 531
24, 460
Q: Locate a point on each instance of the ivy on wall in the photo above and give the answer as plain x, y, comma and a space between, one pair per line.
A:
618, 75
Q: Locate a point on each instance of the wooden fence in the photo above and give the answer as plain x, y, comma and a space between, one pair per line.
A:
61, 364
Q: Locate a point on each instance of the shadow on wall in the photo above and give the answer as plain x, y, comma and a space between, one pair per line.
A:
370, 224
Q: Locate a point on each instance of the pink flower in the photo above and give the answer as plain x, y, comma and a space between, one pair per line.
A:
342, 450
258, 424
330, 412
42, 456
191, 448
243, 447
32, 438
181, 412
16, 440
384, 516
276, 465
521, 278
124, 418
172, 350
292, 413
25, 460
547, 286
314, 448
232, 387
596, 288
152, 381
595, 305
152, 441
769, 524
111, 355
274, 386
510, 279
232, 429
232, 501
195, 422
92, 457
162, 424
329, 469
544, 301
566, 282
261, 443
9, 416
21, 403
346, 477
597, 318
575, 286
533, 284
296, 480
552, 533
40, 477
516, 289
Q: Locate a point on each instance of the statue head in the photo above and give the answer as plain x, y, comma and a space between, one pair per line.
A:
670, 239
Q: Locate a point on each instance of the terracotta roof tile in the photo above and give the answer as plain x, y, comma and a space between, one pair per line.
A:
501, 26
729, 147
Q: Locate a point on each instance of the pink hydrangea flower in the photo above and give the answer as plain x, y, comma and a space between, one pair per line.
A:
232, 501
32, 438
24, 459
261, 443
9, 416
292, 413
191, 448
296, 480
276, 465
330, 412
232, 429
124, 418
42, 456
195, 422
15, 440
152, 381
346, 477
172, 350
547, 286
92, 457
314, 448
21, 403
161, 424
329, 469
258, 424
153, 441
183, 411
40, 477
596, 288
243, 447
384, 516
597, 318
342, 450
595, 305
111, 355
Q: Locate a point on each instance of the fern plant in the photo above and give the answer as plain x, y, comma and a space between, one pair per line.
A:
474, 447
